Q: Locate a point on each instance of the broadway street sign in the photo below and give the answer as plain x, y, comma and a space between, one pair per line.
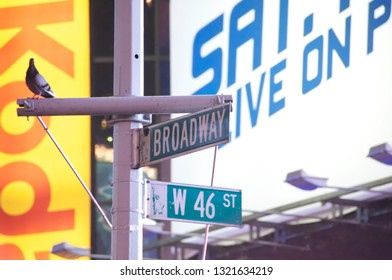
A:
183, 135
196, 204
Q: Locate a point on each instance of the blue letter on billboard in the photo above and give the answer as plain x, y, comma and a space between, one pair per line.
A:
212, 61
238, 37
275, 86
374, 22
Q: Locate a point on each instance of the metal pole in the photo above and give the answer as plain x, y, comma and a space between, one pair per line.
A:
119, 105
127, 208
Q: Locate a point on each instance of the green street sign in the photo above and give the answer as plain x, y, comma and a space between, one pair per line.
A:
195, 204
183, 135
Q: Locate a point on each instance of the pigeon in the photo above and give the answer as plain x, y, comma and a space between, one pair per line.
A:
37, 83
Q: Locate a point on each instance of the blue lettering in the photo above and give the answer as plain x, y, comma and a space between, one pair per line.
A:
254, 111
344, 4
320, 52
238, 116
373, 22
315, 45
212, 61
342, 51
334, 45
275, 106
283, 22
238, 37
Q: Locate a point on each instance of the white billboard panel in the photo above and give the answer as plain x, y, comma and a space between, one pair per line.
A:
312, 89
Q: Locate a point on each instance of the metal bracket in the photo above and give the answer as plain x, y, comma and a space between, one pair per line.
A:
26, 104
146, 198
144, 119
135, 159
221, 99
225, 99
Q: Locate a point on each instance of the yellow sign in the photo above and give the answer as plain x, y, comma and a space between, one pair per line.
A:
41, 201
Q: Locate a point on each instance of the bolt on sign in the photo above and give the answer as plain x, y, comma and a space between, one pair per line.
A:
183, 135
41, 201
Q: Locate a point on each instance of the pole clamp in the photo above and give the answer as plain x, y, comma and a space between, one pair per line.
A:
144, 119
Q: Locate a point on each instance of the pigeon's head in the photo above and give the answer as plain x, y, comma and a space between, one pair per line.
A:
31, 61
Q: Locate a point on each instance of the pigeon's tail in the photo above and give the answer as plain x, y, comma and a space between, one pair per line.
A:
45, 89
48, 93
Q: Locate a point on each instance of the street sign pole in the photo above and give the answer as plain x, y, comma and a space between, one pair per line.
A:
126, 105
128, 100
127, 209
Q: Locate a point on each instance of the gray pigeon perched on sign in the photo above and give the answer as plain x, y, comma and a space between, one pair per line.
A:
37, 83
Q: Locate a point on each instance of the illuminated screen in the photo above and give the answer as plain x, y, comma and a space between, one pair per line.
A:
311, 84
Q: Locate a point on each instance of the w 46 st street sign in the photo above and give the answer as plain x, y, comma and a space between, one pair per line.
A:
196, 204
182, 135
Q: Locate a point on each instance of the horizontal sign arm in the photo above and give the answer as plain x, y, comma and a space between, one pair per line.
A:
95, 106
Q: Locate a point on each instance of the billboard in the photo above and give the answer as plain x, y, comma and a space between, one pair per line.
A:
41, 201
312, 89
